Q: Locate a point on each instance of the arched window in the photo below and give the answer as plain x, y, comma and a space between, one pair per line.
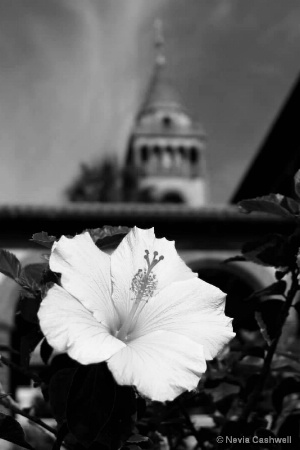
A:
194, 155
172, 197
181, 151
167, 121
156, 150
144, 153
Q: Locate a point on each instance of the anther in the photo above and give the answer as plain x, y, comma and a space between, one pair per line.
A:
154, 260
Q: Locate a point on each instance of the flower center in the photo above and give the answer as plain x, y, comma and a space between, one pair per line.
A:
143, 286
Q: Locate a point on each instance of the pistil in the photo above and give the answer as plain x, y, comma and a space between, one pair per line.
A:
143, 286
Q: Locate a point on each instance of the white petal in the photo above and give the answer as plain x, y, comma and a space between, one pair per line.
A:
85, 271
161, 365
128, 258
70, 327
193, 308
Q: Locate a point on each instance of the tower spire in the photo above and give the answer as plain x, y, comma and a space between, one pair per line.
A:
159, 42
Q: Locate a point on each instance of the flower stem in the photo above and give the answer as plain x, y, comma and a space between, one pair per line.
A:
9, 403
20, 369
271, 351
191, 426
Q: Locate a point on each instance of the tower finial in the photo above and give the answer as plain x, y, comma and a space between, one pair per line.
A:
159, 42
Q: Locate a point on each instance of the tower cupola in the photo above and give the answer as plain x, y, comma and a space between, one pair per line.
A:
167, 146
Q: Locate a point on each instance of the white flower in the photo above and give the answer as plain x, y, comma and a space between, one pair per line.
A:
141, 309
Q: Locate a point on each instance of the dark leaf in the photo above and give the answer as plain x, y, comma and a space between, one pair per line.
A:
268, 317
61, 434
137, 439
287, 363
28, 344
46, 351
238, 258
297, 183
108, 236
258, 352
273, 204
31, 276
142, 442
59, 388
279, 274
272, 250
287, 386
44, 239
250, 384
131, 447
4, 395
297, 308
277, 288
223, 390
29, 307
268, 444
291, 428
91, 403
9, 264
11, 431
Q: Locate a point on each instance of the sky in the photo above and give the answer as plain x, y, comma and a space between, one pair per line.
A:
73, 74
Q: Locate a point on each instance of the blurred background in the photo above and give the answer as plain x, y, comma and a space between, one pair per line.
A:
74, 75
179, 101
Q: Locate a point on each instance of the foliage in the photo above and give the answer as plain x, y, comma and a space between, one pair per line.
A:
250, 390
105, 181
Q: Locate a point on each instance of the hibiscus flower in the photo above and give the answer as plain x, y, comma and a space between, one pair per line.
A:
140, 309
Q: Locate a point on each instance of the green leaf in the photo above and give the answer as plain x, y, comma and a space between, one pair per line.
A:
108, 236
9, 265
11, 431
276, 204
43, 239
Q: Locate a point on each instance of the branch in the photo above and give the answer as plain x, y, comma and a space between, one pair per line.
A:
26, 372
9, 403
196, 433
271, 351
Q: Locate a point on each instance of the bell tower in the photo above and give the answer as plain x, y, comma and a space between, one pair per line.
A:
166, 147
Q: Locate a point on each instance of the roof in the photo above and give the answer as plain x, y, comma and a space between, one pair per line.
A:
162, 112
278, 159
160, 93
205, 227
